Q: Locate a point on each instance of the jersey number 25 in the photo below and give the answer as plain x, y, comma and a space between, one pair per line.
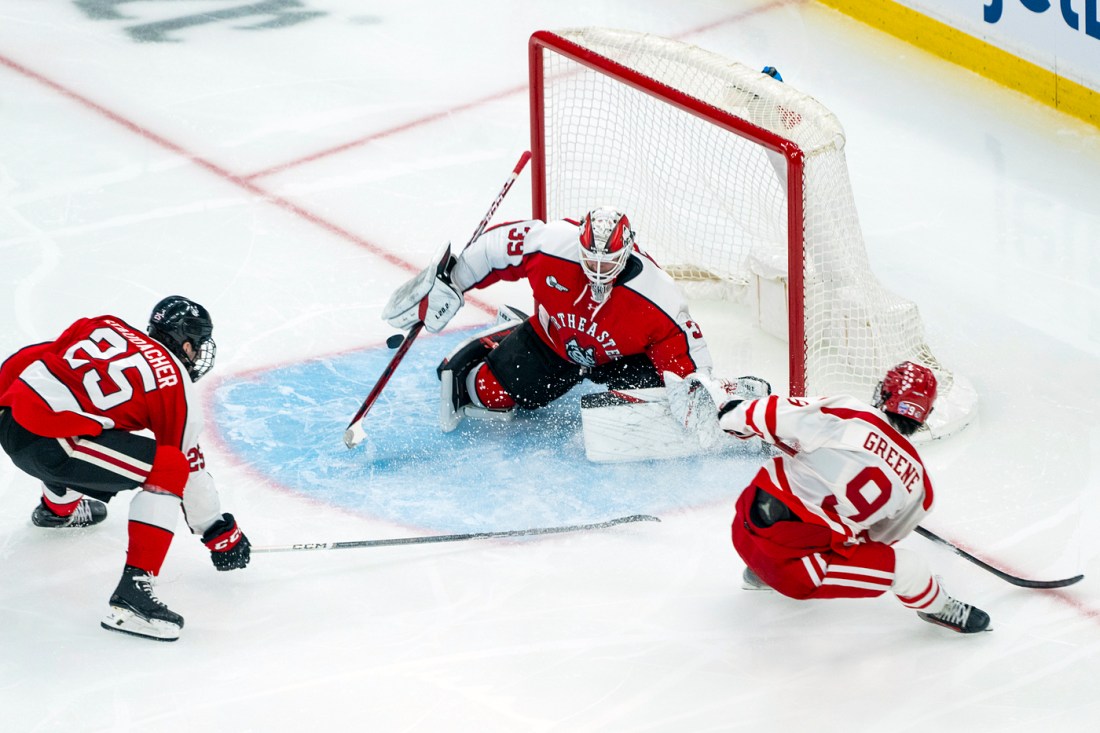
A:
105, 344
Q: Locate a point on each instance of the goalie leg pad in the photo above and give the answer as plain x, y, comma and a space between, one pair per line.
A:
454, 372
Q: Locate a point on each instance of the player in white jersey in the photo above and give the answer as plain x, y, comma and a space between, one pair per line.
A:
604, 311
821, 519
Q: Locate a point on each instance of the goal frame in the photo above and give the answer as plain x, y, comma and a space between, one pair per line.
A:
792, 153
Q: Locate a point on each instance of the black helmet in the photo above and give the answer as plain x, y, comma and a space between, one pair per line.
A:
176, 321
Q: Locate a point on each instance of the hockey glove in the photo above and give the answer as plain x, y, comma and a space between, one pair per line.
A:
736, 392
229, 548
691, 401
699, 399
429, 297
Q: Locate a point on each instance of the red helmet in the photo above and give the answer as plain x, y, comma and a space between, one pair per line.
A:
908, 390
606, 241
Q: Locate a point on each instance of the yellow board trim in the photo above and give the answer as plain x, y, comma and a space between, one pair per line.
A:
951, 44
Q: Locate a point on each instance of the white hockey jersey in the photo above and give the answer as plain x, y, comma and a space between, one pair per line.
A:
843, 465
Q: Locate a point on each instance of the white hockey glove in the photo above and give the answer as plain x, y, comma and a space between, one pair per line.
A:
698, 399
429, 297
690, 401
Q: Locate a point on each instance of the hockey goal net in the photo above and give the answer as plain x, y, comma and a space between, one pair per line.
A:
737, 184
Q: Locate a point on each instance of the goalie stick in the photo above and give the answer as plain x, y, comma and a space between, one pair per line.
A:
355, 433
1021, 582
430, 539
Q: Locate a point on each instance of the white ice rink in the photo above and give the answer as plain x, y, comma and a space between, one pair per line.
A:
288, 163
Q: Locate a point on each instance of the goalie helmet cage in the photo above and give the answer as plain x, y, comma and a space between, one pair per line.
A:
737, 184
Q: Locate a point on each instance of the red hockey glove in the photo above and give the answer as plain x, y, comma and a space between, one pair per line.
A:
229, 548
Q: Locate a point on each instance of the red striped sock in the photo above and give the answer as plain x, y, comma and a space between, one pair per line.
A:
148, 546
61, 510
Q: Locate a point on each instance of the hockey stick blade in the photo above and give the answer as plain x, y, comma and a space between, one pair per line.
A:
1014, 580
430, 539
354, 433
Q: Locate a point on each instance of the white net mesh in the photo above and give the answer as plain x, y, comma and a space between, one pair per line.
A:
708, 202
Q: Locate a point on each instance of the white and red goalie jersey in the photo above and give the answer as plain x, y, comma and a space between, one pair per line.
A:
646, 313
843, 465
103, 374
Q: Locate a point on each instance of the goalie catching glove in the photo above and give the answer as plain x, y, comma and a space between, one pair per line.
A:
697, 400
429, 297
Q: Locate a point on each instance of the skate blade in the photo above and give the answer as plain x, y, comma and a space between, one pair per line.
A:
128, 622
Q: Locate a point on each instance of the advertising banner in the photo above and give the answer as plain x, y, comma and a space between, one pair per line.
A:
1062, 36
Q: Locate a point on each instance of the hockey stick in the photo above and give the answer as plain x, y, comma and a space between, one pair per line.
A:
354, 433
456, 537
1022, 582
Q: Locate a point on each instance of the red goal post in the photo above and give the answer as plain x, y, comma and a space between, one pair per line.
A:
737, 185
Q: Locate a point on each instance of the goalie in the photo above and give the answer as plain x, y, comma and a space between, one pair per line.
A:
604, 311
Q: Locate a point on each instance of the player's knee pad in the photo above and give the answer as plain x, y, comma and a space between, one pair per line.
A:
170, 471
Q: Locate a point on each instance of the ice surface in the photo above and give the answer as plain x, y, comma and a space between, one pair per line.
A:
289, 170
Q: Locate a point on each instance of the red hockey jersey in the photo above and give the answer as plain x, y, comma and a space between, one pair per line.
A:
646, 313
101, 374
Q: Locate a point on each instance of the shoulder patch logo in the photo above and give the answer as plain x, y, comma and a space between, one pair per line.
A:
553, 282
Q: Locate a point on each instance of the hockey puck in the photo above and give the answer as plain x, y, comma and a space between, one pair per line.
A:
394, 341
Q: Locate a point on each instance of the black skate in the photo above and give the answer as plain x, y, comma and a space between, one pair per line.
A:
960, 617
88, 512
136, 610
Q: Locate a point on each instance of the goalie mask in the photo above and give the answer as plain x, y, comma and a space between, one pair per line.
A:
908, 390
176, 321
606, 241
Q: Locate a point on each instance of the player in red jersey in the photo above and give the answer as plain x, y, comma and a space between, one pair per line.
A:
604, 311
76, 412
821, 519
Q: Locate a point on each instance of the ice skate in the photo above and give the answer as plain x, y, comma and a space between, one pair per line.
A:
88, 512
752, 581
960, 617
135, 609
